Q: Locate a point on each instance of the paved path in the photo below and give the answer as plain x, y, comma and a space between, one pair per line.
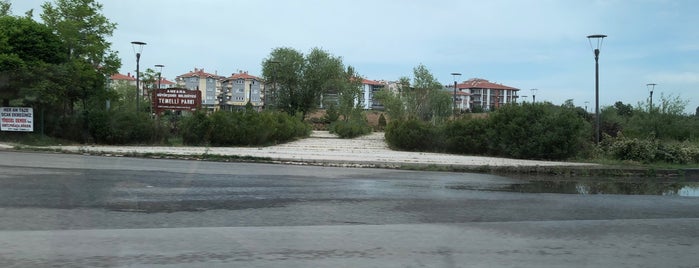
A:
322, 147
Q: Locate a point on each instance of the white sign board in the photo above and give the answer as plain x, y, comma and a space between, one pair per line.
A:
16, 119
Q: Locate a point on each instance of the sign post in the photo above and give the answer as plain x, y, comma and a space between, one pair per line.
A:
178, 99
17, 119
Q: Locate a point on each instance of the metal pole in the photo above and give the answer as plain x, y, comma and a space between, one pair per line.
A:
138, 82
597, 119
453, 101
453, 110
651, 88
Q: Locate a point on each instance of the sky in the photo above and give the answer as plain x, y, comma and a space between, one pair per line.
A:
526, 44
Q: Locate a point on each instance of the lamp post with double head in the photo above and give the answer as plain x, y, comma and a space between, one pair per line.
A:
599, 38
651, 87
453, 102
138, 48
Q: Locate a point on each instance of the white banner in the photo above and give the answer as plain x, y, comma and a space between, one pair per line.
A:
17, 119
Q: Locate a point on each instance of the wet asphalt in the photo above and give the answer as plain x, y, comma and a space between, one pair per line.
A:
55, 191
60, 210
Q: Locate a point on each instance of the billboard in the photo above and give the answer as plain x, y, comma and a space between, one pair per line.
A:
176, 99
17, 119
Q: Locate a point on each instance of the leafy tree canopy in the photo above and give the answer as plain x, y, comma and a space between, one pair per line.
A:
29, 57
84, 30
300, 80
422, 100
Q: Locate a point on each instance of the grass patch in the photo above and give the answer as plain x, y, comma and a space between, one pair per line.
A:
32, 139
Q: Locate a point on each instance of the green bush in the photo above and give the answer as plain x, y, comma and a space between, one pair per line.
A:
678, 153
534, 131
224, 129
122, 127
70, 127
411, 135
332, 114
195, 129
466, 136
537, 131
650, 150
382, 122
246, 128
351, 128
634, 149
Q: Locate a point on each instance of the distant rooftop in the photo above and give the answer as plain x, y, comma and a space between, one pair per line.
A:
476, 83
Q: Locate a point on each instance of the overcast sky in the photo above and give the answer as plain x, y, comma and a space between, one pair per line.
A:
520, 43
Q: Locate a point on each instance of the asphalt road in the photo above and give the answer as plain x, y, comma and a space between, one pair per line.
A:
76, 210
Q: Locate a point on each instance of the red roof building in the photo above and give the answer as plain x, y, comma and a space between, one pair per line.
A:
239, 89
486, 94
164, 83
117, 79
207, 83
369, 88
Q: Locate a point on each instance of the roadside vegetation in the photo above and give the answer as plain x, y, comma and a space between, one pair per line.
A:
659, 135
58, 67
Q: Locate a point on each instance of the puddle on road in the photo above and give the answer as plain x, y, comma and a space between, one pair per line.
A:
592, 187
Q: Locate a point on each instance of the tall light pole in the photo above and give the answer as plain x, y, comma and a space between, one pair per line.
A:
160, 71
599, 38
651, 87
453, 102
534, 94
138, 48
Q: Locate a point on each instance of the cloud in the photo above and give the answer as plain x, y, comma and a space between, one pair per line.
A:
676, 78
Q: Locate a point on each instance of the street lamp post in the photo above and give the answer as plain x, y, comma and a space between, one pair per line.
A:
651, 87
534, 94
599, 38
160, 71
138, 48
453, 102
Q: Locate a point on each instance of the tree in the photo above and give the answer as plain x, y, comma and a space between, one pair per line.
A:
422, 100
625, 110
5, 8
84, 31
30, 59
284, 68
302, 79
349, 92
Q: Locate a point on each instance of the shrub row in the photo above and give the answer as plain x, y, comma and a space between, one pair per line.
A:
531, 131
121, 127
106, 127
246, 128
350, 128
650, 150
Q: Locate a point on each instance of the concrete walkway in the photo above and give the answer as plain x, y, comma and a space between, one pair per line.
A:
323, 148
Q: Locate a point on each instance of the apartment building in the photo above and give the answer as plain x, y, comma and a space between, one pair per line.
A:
208, 83
164, 83
485, 94
369, 88
121, 79
241, 88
